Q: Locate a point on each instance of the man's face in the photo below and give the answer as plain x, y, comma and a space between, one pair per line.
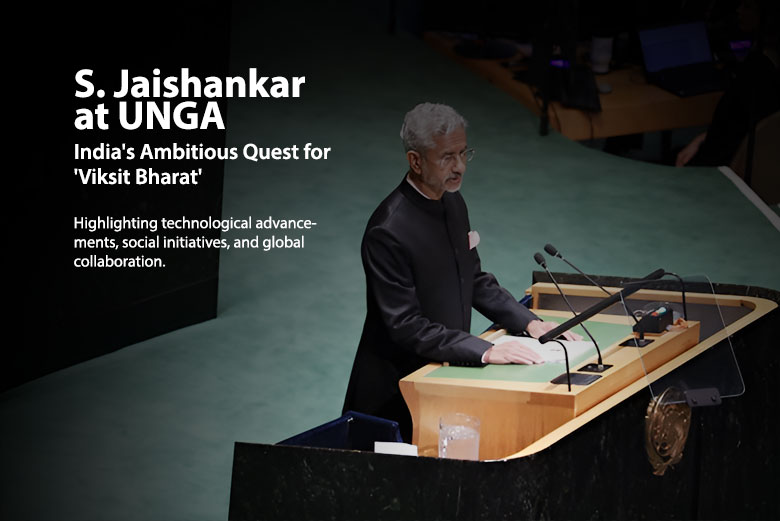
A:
441, 168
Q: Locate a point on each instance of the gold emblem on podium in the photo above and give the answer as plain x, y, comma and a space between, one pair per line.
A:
666, 429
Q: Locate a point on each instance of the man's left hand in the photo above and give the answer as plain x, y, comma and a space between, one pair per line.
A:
537, 328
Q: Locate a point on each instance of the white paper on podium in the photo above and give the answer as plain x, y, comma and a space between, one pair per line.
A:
391, 447
551, 351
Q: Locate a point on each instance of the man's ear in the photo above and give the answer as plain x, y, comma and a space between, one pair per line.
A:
415, 161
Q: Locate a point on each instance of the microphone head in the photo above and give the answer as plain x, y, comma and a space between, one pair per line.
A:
539, 258
657, 274
549, 248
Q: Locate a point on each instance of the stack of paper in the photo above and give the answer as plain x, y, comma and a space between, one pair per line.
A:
551, 351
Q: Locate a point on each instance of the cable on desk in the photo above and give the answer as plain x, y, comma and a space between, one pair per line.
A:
592, 130
557, 118
536, 96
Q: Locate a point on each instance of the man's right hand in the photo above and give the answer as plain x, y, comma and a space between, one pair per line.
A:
512, 352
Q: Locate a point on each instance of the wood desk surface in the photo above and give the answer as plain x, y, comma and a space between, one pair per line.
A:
633, 106
519, 412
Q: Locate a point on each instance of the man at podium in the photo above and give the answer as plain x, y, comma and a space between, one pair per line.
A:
423, 275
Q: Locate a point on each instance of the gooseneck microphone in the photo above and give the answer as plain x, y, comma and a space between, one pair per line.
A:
549, 248
566, 357
682, 285
629, 289
655, 275
539, 258
552, 250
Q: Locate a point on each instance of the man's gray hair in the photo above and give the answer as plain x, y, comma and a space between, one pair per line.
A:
427, 120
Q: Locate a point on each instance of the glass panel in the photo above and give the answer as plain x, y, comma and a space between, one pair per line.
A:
702, 342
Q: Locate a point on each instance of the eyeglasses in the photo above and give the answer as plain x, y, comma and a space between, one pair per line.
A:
448, 160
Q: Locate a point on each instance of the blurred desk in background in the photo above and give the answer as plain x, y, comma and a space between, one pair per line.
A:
633, 106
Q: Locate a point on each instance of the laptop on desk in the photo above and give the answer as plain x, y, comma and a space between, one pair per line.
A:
678, 59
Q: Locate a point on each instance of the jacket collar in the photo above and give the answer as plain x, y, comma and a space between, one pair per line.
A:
432, 206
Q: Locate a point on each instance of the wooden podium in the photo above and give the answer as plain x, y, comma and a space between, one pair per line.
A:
585, 460
518, 405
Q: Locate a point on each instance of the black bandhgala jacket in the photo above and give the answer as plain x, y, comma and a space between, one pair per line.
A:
422, 281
